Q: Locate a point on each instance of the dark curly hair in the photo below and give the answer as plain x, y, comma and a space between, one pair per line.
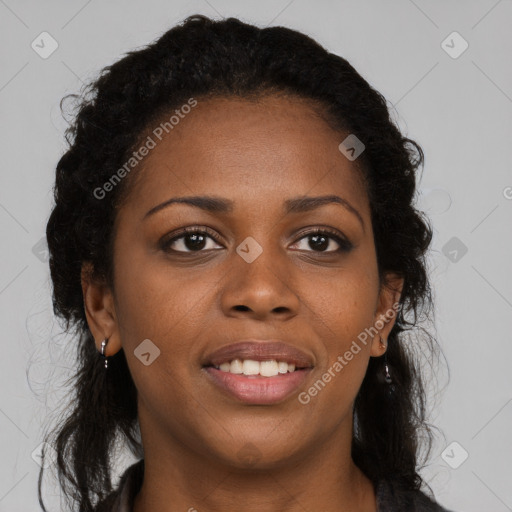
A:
203, 58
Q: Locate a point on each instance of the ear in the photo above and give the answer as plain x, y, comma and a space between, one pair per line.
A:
386, 311
100, 311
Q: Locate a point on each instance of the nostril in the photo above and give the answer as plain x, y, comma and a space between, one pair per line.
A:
241, 308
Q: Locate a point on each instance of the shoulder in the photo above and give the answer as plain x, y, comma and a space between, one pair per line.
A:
392, 498
121, 500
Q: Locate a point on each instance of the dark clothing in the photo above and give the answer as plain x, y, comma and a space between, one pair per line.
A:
389, 498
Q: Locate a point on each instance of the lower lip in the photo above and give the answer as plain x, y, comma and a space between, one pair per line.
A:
255, 389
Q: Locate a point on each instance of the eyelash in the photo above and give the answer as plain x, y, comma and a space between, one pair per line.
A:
345, 245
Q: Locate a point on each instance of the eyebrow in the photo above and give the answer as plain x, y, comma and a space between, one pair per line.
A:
221, 205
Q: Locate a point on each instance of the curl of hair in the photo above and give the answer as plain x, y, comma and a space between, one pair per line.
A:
202, 58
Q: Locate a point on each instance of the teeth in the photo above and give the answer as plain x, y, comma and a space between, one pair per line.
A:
269, 368
282, 367
236, 366
251, 367
225, 367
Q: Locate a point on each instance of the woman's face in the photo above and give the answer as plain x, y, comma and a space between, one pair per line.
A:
255, 274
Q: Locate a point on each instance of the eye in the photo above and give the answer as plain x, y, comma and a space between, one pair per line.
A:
189, 240
321, 238
193, 239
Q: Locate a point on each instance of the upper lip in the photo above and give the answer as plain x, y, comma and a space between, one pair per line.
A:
260, 350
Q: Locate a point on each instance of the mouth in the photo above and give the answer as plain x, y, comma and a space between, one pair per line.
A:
253, 368
258, 372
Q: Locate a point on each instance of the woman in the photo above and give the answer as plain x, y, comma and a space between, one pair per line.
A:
234, 240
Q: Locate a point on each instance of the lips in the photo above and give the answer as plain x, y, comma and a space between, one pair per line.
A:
256, 390
260, 350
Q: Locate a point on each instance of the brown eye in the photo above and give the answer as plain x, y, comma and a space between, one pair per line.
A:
321, 240
189, 240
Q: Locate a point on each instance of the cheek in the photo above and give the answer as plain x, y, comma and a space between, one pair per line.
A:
170, 307
352, 304
346, 354
348, 313
154, 300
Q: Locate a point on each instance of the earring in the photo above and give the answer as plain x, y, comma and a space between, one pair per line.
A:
387, 376
103, 345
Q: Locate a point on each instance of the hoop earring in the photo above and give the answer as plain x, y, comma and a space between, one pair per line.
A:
387, 376
102, 354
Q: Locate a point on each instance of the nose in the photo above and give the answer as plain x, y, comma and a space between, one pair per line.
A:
262, 289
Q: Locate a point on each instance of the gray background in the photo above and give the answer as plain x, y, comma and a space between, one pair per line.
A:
458, 109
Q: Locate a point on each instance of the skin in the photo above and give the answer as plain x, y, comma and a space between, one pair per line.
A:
257, 154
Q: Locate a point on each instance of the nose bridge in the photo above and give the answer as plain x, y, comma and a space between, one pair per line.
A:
259, 278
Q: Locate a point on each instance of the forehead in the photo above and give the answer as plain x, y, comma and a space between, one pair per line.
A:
263, 150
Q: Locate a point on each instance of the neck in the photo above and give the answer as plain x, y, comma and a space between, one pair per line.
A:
178, 477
